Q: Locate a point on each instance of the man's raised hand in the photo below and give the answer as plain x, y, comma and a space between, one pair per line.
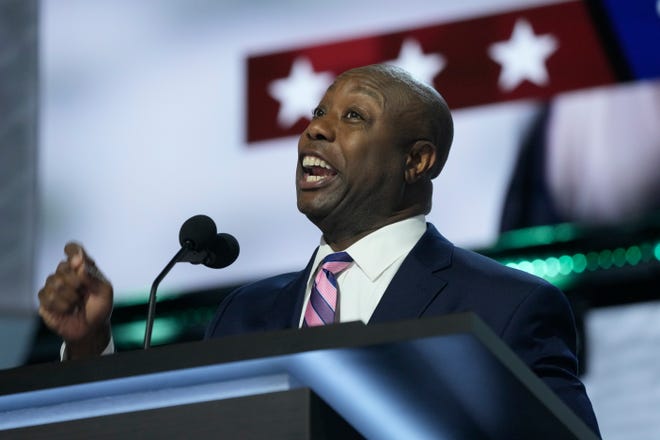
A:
76, 303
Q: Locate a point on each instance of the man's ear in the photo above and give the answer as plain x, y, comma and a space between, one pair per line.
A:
420, 160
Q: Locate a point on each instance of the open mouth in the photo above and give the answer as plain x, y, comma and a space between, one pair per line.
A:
316, 169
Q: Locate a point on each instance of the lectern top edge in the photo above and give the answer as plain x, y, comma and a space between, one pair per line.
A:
232, 349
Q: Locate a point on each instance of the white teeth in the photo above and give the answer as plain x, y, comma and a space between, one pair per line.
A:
310, 178
313, 161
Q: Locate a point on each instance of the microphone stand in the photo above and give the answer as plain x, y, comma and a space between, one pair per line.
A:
151, 313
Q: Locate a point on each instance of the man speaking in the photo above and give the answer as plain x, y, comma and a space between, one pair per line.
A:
364, 177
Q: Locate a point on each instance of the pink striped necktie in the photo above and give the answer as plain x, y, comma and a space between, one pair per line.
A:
322, 305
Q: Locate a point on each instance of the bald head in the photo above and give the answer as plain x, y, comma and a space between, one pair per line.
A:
418, 110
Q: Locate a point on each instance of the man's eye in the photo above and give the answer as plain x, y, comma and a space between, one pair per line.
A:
352, 114
317, 112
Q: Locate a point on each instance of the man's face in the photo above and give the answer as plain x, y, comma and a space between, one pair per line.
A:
350, 171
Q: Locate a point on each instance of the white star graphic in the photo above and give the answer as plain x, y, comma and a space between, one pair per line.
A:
523, 56
300, 92
423, 67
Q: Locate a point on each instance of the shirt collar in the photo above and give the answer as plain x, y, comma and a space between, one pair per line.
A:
374, 253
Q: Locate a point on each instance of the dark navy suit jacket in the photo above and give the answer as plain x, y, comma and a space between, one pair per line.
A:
437, 278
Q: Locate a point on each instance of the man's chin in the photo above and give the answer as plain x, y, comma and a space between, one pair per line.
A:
310, 212
315, 212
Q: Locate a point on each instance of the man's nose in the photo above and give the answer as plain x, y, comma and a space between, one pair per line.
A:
321, 129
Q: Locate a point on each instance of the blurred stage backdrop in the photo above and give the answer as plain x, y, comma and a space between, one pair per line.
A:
146, 113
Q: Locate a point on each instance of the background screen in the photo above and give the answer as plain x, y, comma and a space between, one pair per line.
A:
152, 112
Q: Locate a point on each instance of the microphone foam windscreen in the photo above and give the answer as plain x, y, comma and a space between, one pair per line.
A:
224, 251
200, 231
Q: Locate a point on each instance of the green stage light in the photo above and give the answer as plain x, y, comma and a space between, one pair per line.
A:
633, 255
647, 251
537, 235
562, 268
579, 263
566, 265
165, 329
605, 259
619, 257
526, 266
552, 267
539, 267
592, 261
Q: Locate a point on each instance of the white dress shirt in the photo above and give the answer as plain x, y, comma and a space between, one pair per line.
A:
376, 259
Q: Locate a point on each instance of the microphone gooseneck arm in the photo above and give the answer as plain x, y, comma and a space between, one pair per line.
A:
151, 313
200, 244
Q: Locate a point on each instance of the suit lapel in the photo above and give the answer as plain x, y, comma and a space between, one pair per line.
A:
288, 305
416, 283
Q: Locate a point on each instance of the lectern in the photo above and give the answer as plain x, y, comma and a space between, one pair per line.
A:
437, 378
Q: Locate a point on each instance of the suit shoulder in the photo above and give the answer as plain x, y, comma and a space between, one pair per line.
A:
250, 307
482, 266
262, 291
268, 284
470, 267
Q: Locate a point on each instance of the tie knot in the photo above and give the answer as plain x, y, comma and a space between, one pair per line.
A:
336, 262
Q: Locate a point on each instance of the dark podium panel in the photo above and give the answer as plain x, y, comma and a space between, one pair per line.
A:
294, 414
448, 377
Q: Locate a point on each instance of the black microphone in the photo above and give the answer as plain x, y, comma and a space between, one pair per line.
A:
222, 252
207, 248
200, 244
197, 233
